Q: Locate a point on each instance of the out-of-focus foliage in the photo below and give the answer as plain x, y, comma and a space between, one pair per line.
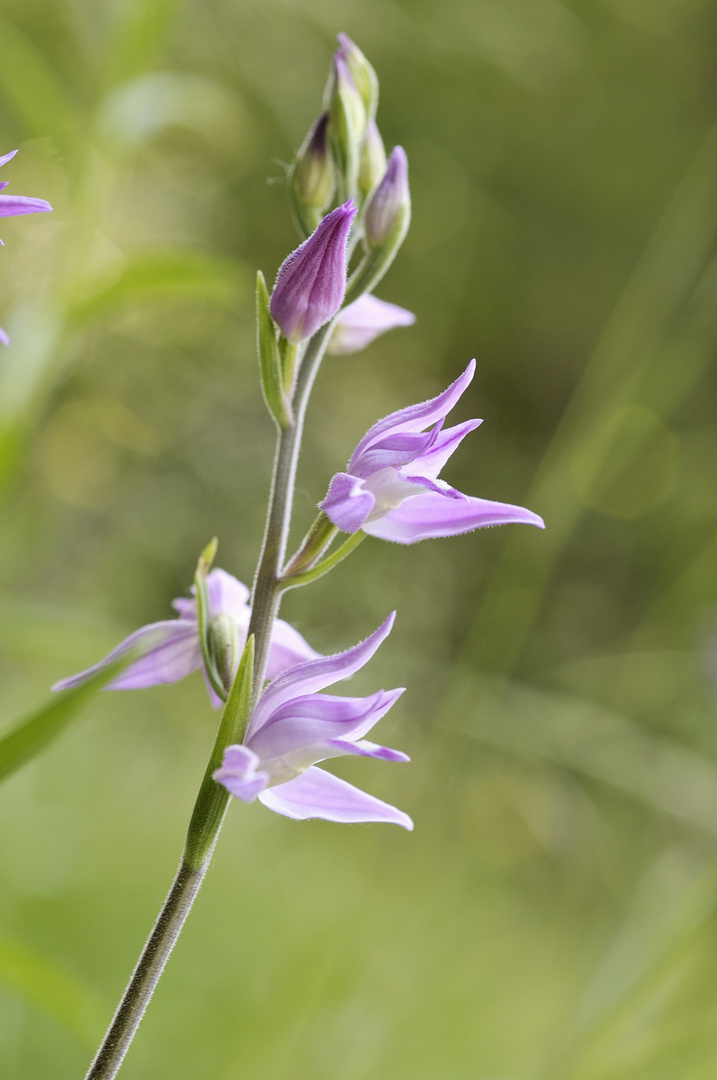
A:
553, 915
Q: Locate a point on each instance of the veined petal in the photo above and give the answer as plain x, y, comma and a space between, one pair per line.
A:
430, 515
287, 649
239, 774
415, 417
170, 649
315, 718
227, 596
284, 767
347, 503
314, 675
361, 322
11, 205
431, 463
341, 747
398, 448
319, 794
7, 157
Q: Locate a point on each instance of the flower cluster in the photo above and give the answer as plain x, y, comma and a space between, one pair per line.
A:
272, 742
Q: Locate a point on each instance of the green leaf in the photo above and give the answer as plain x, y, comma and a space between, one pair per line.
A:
269, 357
39, 728
163, 275
47, 986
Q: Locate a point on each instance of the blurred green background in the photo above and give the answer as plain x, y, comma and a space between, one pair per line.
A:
554, 915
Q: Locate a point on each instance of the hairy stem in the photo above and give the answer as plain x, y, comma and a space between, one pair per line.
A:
147, 972
265, 604
266, 594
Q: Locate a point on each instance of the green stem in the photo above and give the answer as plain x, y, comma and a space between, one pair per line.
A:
266, 593
149, 968
212, 800
206, 821
317, 540
292, 581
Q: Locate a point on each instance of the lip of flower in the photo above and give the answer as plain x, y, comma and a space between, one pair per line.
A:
171, 649
391, 488
293, 727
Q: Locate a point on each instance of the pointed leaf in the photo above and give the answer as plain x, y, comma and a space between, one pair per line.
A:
39, 728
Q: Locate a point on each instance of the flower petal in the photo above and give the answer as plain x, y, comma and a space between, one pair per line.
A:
319, 794
4, 339
170, 650
340, 748
227, 596
398, 448
431, 463
314, 675
11, 205
315, 718
287, 649
429, 515
347, 503
7, 157
415, 417
361, 322
238, 773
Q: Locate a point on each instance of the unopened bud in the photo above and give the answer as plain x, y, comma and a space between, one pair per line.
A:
373, 160
313, 174
224, 644
363, 74
311, 282
389, 210
347, 124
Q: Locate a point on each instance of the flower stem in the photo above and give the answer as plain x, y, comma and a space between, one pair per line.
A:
203, 834
147, 972
266, 593
291, 581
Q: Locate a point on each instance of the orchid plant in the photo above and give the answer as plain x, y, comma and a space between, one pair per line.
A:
351, 205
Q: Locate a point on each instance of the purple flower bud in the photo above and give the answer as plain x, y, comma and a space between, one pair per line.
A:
361, 322
311, 282
389, 208
313, 172
363, 74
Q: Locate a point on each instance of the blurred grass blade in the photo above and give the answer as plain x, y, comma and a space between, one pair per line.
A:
45, 985
140, 30
31, 734
140, 109
649, 961
617, 375
164, 275
28, 82
581, 736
